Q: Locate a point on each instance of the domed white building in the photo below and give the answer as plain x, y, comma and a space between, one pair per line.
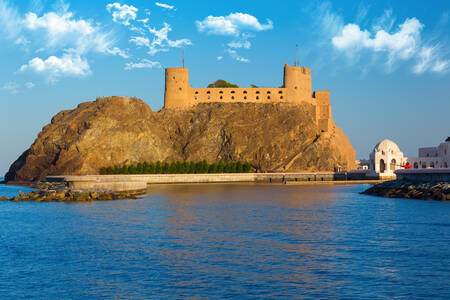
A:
385, 158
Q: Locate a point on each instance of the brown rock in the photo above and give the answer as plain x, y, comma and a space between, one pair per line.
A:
117, 131
4, 198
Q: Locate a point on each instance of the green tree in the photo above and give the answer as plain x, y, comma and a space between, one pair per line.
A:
247, 167
184, 167
151, 168
131, 169
165, 168
178, 167
220, 167
191, 169
212, 168
239, 167
158, 168
139, 168
173, 168
145, 166
220, 83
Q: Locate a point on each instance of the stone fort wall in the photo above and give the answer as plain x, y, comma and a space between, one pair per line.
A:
296, 89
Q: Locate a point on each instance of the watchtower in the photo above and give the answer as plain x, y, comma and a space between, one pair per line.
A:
177, 94
297, 81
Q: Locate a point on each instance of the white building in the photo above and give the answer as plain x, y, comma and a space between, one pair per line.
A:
432, 157
385, 158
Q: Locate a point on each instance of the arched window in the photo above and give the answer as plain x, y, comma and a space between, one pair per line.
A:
432, 164
245, 97
445, 165
209, 97
232, 92
280, 92
232, 97
268, 92
424, 165
245, 92
393, 163
196, 92
208, 92
195, 98
257, 92
382, 166
220, 92
281, 97
268, 97
416, 165
221, 97
257, 97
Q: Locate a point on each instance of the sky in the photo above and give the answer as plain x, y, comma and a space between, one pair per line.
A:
386, 64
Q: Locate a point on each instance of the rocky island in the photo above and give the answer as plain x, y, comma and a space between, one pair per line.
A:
117, 131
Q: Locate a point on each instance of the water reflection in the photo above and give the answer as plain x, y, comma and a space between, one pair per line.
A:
228, 240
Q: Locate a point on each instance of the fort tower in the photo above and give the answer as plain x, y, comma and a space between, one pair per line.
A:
177, 94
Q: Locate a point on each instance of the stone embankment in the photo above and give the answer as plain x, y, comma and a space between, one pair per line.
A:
407, 189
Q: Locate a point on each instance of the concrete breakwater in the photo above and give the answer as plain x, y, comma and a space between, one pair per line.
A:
138, 182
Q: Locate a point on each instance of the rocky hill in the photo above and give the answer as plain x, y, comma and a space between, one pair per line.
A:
116, 131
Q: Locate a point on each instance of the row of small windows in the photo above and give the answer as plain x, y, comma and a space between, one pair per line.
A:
244, 92
232, 97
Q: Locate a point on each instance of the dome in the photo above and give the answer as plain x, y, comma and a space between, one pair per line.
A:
386, 145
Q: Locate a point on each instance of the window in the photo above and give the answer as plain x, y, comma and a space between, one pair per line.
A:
268, 92
257, 97
416, 165
173, 77
195, 98
432, 164
245, 92
208, 92
424, 165
281, 97
245, 97
220, 92
196, 92
232, 92
232, 97
209, 97
268, 97
180, 89
221, 97
280, 92
257, 92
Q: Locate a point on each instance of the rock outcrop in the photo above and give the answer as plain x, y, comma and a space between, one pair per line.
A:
117, 131
405, 189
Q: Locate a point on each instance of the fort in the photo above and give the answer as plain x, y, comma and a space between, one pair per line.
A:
296, 89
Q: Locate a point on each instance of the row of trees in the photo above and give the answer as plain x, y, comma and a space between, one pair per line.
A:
185, 167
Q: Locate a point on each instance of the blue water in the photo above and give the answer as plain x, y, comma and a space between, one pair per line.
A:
12, 190
228, 241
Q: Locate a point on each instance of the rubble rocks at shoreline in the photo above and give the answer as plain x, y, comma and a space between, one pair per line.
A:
67, 195
405, 189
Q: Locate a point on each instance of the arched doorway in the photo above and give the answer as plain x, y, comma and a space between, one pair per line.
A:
382, 166
393, 163
416, 165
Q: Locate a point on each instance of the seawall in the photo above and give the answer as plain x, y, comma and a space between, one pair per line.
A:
138, 182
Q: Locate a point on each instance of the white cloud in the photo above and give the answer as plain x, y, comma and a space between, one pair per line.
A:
240, 44
403, 44
234, 55
63, 31
29, 85
219, 58
122, 14
163, 5
54, 67
10, 23
23, 41
12, 87
143, 63
233, 24
161, 41
117, 51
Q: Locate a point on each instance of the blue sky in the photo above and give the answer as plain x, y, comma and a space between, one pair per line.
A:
386, 64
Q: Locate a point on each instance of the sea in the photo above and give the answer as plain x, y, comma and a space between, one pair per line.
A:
215, 241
